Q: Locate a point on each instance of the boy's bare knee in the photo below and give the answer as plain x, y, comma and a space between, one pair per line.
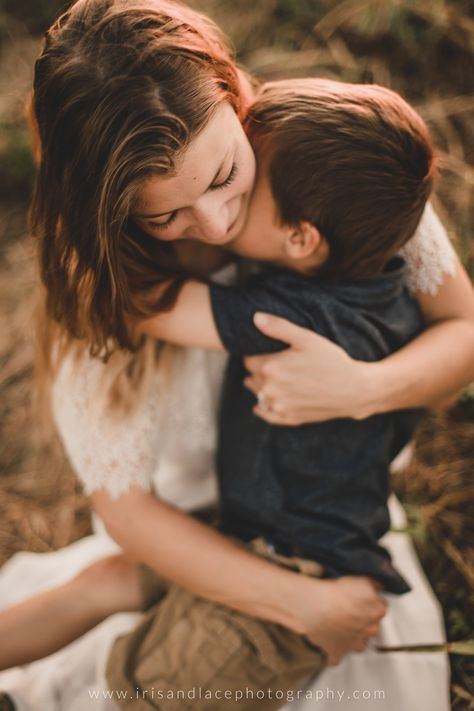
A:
111, 584
111, 566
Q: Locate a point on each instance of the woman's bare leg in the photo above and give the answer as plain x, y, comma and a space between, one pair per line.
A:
47, 622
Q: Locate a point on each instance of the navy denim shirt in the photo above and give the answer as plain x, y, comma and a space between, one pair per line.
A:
317, 490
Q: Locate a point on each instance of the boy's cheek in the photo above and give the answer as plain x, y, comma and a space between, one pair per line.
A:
251, 238
255, 226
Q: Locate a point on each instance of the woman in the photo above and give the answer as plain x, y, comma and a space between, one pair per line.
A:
121, 88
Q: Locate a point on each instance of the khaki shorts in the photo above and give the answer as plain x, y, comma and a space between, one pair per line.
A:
190, 653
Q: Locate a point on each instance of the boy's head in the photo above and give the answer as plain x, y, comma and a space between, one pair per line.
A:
345, 171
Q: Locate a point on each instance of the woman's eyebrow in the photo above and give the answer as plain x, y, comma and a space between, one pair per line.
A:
168, 212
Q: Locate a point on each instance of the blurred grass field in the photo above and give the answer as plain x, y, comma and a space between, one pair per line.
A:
423, 49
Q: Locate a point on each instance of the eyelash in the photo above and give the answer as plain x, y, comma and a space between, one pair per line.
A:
164, 225
230, 178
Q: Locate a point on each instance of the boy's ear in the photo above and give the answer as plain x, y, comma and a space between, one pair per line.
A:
302, 240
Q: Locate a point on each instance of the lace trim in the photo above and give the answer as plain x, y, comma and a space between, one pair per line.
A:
176, 432
429, 255
104, 453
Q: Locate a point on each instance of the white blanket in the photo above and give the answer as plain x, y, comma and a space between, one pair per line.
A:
73, 679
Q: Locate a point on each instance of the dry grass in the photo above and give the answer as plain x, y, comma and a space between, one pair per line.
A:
424, 49
438, 493
41, 507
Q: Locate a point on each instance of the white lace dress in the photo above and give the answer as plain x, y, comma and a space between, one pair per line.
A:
168, 445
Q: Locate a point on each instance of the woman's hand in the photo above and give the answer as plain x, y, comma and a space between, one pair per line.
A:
341, 615
316, 380
311, 381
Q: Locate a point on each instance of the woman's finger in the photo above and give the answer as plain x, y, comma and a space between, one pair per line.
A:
273, 418
333, 658
281, 329
372, 631
254, 364
253, 383
376, 584
380, 609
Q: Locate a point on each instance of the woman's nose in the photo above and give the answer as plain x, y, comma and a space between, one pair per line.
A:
213, 218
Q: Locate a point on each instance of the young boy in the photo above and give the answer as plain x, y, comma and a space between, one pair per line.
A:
344, 174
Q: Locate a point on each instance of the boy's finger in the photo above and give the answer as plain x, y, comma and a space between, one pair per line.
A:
281, 329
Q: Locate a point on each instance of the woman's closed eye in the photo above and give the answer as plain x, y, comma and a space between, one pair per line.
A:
217, 186
166, 223
230, 178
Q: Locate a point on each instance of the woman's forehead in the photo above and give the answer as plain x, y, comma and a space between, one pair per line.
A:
197, 168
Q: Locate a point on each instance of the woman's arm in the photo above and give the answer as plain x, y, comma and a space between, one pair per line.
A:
338, 615
316, 380
440, 362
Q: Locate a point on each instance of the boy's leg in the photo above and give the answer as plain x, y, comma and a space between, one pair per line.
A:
44, 623
189, 653
153, 587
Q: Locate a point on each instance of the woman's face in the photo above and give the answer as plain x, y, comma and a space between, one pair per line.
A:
207, 199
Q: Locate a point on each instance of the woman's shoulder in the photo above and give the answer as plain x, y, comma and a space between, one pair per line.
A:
105, 451
429, 254
117, 449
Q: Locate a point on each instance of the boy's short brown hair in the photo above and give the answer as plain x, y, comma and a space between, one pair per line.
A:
354, 160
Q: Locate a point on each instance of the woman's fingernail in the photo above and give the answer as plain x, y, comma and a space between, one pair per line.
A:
260, 320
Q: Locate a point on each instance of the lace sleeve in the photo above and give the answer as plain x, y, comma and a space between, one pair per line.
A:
429, 254
105, 452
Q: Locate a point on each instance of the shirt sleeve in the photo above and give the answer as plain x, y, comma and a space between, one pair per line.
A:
111, 453
234, 308
429, 254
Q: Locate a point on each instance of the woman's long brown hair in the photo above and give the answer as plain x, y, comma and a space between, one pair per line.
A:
120, 89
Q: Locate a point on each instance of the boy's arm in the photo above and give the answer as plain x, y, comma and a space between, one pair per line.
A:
190, 322
219, 317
